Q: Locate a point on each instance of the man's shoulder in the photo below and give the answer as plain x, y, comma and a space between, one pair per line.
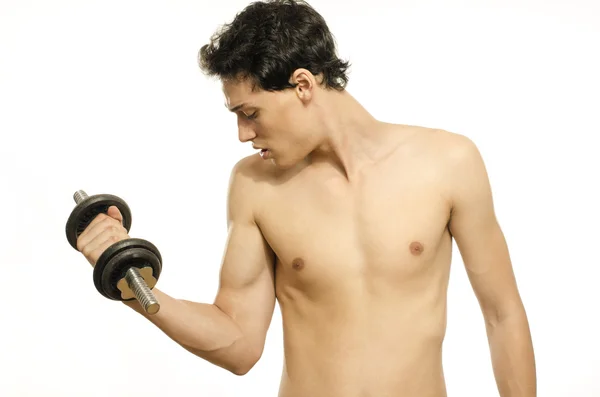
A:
247, 164
245, 169
445, 145
437, 136
243, 194
251, 171
458, 148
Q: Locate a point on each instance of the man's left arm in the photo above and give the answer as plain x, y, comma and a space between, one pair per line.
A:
485, 253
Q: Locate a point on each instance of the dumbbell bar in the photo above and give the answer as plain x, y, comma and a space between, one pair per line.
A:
126, 270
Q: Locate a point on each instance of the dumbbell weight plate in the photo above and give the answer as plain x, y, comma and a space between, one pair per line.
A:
85, 212
118, 258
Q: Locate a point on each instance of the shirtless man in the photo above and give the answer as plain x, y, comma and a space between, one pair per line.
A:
347, 222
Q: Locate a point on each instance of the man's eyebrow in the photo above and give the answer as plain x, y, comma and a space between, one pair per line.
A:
235, 108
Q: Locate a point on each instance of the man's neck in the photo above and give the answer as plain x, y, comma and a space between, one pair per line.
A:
351, 134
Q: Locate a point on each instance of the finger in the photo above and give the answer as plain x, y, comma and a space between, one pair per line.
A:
93, 255
98, 224
95, 230
99, 230
94, 249
97, 219
114, 213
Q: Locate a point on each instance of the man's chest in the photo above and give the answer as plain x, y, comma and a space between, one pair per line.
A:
387, 225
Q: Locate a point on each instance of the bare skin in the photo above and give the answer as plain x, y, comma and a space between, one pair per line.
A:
352, 234
362, 272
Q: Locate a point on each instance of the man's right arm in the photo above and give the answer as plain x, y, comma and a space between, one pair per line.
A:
230, 332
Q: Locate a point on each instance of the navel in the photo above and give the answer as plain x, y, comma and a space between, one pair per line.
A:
416, 248
298, 264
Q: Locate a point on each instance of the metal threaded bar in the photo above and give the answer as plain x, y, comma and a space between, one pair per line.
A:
79, 196
141, 291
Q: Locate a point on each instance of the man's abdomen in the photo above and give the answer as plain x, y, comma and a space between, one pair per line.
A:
377, 346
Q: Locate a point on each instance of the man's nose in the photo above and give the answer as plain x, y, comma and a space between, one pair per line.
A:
245, 132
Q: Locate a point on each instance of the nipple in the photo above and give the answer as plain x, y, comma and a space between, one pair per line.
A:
416, 248
298, 264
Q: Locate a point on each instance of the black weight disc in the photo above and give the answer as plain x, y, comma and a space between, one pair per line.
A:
85, 212
118, 258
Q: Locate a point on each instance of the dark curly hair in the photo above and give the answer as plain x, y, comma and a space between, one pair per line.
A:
270, 39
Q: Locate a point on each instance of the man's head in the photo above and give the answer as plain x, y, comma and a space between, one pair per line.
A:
278, 57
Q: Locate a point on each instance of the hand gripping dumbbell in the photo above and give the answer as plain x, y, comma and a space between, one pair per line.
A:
126, 270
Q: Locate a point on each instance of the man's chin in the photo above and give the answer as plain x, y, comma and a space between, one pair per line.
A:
283, 163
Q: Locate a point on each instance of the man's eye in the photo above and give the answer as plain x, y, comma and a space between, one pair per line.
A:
252, 116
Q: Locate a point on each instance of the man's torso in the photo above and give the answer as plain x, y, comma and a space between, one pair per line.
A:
362, 270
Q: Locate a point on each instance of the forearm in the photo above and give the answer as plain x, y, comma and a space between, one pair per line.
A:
202, 329
512, 355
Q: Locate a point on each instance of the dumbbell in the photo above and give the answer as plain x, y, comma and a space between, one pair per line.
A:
126, 270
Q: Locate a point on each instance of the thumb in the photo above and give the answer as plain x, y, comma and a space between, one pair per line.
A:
114, 212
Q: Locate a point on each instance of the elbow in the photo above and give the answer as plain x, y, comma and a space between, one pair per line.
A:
241, 370
245, 357
242, 367
237, 358
504, 314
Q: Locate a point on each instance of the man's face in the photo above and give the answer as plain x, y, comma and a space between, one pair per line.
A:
278, 122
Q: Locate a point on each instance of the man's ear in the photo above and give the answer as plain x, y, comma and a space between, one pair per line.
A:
305, 83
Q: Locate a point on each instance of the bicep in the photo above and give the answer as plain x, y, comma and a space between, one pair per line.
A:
478, 235
246, 281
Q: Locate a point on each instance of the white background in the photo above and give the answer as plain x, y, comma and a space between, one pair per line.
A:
106, 96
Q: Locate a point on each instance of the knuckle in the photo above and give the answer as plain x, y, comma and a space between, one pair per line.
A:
105, 225
99, 235
100, 217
